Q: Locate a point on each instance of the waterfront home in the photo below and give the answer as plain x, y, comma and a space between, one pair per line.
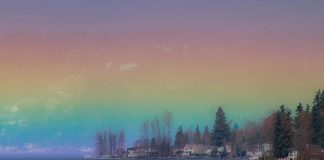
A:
137, 151
89, 157
228, 149
255, 154
293, 154
196, 149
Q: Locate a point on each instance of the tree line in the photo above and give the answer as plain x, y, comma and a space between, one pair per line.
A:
307, 127
285, 130
156, 136
282, 128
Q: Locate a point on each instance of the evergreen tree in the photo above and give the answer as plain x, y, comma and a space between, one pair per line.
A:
197, 136
300, 108
316, 118
307, 108
221, 131
278, 130
288, 131
179, 139
206, 136
283, 133
302, 128
299, 112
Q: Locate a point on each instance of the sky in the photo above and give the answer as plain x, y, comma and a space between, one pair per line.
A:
71, 68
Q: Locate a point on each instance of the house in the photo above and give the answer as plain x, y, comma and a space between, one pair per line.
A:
255, 154
105, 156
267, 149
196, 149
176, 152
137, 151
293, 154
121, 153
187, 150
260, 151
89, 157
228, 149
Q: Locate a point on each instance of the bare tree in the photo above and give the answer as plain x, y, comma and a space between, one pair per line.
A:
158, 130
167, 126
145, 134
156, 136
109, 143
167, 123
114, 144
121, 143
153, 129
99, 144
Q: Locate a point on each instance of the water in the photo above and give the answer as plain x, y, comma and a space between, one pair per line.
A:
79, 158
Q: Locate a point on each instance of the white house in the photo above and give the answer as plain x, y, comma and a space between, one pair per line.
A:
136, 152
196, 149
105, 157
227, 147
292, 155
89, 157
255, 154
266, 147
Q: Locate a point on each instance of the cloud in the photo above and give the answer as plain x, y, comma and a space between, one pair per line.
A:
12, 122
165, 48
109, 65
14, 109
127, 66
63, 94
19, 122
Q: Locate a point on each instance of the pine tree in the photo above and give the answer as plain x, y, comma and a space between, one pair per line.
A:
302, 127
300, 108
307, 108
299, 111
283, 133
179, 139
206, 136
321, 135
197, 136
221, 131
288, 132
278, 130
316, 118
